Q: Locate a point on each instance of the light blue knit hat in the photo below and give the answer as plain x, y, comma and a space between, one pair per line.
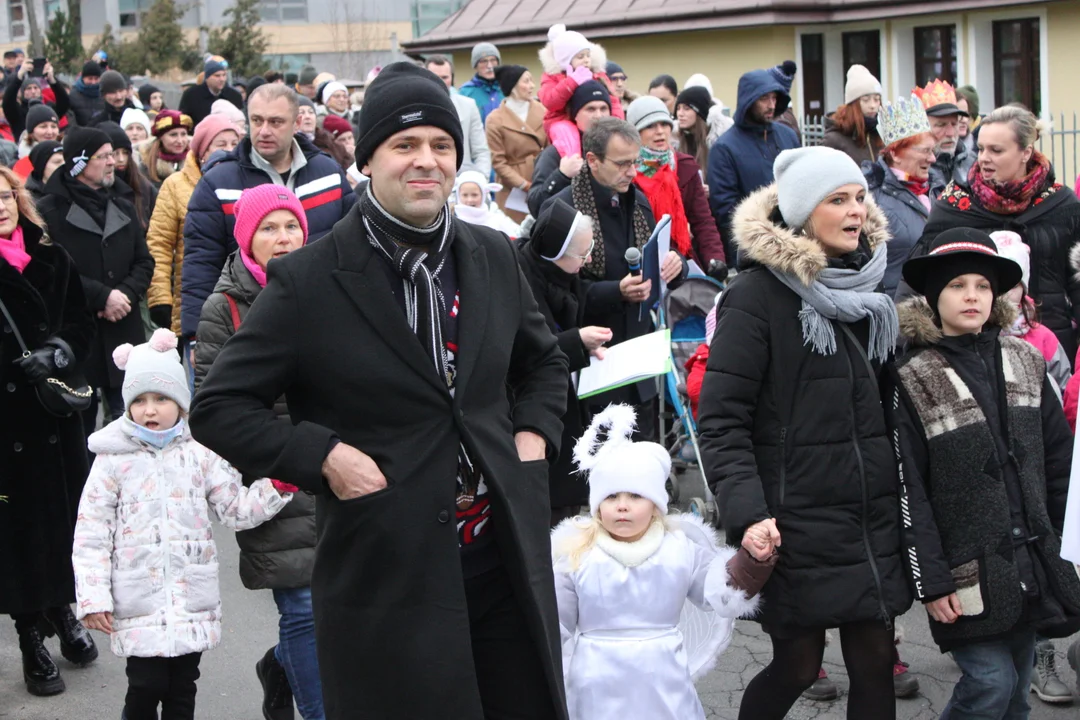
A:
806, 176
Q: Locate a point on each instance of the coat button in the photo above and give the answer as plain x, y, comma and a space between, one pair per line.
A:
1017, 532
17, 447
7, 328
52, 439
110, 275
11, 387
42, 327
444, 517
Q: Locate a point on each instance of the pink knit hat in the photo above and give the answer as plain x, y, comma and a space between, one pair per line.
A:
209, 128
254, 205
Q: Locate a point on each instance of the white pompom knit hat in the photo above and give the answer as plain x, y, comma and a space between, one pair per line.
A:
565, 44
153, 367
617, 464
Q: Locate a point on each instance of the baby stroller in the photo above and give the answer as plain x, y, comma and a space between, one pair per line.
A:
683, 311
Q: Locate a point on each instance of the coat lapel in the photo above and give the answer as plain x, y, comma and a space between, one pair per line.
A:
472, 268
369, 289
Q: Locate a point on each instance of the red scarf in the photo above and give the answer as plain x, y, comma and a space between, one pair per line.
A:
665, 198
917, 187
1013, 197
13, 250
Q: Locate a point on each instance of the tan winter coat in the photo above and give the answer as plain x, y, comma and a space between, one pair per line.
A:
165, 237
514, 147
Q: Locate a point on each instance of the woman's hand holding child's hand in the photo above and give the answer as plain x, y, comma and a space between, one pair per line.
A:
101, 622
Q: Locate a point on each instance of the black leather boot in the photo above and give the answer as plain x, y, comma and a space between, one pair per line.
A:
76, 645
40, 673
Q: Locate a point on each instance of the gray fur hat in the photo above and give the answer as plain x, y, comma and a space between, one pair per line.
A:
806, 176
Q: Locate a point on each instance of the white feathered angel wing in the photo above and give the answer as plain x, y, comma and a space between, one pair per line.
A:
706, 634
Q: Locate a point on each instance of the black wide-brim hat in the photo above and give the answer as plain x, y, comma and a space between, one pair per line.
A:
963, 250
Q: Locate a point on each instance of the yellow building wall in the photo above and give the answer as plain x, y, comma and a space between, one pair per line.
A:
1063, 33
723, 55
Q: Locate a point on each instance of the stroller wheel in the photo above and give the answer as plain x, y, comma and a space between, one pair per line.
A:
712, 515
672, 488
699, 508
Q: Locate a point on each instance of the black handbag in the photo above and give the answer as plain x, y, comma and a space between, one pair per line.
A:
63, 393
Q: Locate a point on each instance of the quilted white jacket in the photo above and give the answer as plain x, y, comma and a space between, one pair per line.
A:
144, 548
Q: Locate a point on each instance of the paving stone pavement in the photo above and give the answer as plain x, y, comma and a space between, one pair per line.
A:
228, 689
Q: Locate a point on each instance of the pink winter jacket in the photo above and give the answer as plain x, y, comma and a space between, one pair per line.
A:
555, 92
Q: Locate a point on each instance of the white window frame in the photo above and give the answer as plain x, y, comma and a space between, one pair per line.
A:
833, 45
25, 22
277, 5
980, 52
902, 51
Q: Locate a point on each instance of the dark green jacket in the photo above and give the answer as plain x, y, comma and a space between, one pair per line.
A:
279, 553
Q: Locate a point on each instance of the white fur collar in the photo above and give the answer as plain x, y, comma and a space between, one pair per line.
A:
632, 554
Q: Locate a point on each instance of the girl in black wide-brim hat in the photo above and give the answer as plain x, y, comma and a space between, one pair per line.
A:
985, 454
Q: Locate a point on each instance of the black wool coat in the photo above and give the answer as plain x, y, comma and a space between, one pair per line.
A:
43, 461
566, 486
113, 257
800, 437
197, 100
387, 588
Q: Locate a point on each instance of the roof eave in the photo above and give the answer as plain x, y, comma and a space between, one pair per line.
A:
650, 22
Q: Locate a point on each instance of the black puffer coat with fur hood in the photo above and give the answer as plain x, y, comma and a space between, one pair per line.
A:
798, 436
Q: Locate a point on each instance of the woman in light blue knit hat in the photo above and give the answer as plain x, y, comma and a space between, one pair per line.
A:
793, 432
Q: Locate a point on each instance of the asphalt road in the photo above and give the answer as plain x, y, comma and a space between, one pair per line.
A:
229, 690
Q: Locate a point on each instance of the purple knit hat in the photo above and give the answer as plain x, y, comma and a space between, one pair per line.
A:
254, 205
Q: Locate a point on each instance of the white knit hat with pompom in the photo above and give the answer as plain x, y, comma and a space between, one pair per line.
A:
153, 367
617, 464
565, 44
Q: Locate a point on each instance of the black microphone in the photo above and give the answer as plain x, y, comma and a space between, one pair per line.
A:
632, 256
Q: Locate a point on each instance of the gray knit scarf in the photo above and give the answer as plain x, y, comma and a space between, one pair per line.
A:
846, 296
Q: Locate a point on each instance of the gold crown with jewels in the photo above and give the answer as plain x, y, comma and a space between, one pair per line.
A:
902, 119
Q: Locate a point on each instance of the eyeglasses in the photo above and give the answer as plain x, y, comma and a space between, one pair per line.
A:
488, 61
622, 165
586, 256
924, 151
104, 156
7, 196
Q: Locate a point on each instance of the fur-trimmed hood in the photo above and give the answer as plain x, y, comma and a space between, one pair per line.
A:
763, 241
718, 122
597, 59
1074, 261
917, 324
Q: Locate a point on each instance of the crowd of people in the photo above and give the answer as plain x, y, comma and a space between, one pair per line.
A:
279, 303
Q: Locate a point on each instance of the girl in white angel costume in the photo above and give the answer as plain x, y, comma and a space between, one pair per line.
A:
647, 600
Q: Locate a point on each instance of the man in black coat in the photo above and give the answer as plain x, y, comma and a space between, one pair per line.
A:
85, 96
101, 232
394, 340
16, 108
114, 92
197, 100
604, 190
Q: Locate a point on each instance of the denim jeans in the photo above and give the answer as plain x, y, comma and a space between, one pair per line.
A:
187, 346
296, 650
996, 679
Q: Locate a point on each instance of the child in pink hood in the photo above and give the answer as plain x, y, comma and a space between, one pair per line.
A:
569, 61
1026, 325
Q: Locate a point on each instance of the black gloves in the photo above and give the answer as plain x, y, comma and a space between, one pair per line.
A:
41, 363
161, 315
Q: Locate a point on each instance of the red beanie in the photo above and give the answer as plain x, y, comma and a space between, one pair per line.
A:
336, 125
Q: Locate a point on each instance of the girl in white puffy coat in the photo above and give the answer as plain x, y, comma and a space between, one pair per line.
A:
647, 600
146, 568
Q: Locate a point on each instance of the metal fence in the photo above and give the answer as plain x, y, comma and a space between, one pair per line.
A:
1061, 144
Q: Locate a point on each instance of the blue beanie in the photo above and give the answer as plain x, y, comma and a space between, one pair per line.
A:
215, 65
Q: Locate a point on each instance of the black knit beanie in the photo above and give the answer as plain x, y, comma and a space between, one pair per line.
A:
952, 267
91, 69
112, 81
80, 144
508, 77
145, 92
40, 154
586, 93
117, 137
697, 99
37, 114
404, 96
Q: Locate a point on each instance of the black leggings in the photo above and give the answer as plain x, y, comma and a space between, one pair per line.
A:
868, 655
